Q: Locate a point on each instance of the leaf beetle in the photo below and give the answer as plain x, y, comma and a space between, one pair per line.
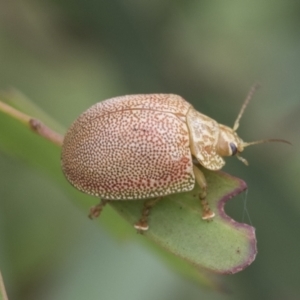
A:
142, 147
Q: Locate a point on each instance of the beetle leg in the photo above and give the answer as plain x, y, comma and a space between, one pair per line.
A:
207, 213
142, 224
96, 210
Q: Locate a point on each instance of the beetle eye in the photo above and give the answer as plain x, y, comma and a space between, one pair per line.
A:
233, 149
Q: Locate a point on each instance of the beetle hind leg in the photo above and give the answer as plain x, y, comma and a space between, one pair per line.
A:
142, 224
96, 210
207, 213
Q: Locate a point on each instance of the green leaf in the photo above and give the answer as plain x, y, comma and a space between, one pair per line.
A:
221, 245
186, 242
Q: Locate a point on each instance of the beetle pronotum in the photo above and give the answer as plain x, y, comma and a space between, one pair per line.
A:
142, 147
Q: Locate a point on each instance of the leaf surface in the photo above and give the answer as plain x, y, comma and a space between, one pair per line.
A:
221, 245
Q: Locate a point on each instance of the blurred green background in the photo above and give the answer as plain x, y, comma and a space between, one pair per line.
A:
67, 55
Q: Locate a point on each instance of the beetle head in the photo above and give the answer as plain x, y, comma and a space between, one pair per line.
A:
229, 143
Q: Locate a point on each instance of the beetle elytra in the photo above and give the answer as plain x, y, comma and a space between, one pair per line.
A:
142, 147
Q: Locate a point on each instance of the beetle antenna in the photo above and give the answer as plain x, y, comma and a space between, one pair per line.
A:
265, 141
243, 160
246, 102
258, 142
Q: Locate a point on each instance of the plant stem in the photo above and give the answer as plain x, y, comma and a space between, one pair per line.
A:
2, 288
34, 124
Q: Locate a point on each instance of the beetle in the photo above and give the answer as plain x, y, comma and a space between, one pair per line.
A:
143, 146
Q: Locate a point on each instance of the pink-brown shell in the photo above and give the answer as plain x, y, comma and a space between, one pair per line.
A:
130, 147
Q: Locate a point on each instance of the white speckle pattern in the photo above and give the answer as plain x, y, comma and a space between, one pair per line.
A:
130, 147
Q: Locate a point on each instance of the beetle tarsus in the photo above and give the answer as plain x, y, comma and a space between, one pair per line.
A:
142, 224
96, 210
207, 213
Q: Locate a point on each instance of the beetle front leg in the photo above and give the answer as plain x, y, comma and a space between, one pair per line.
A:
96, 210
142, 224
207, 213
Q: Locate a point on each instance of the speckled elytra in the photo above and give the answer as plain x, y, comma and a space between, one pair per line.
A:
142, 147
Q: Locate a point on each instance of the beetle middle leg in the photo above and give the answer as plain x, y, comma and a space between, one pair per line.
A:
142, 224
207, 213
96, 210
